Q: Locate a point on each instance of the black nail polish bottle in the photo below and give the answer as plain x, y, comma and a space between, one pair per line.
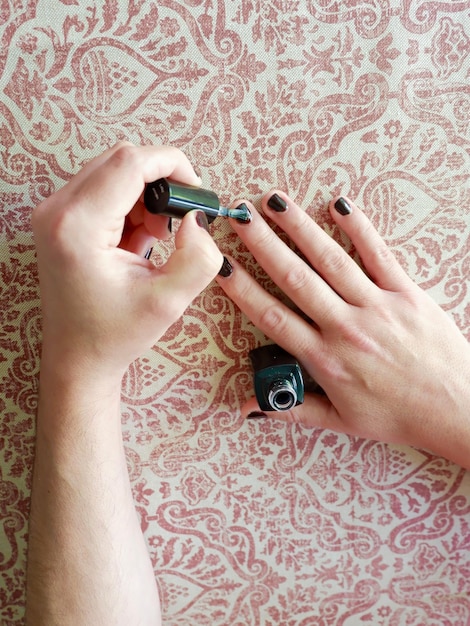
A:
278, 378
165, 197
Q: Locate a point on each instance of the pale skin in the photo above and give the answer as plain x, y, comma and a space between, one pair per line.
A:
393, 365
102, 307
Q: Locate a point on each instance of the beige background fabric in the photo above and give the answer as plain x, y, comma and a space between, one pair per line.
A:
250, 523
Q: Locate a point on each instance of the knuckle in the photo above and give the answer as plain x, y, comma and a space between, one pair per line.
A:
38, 216
298, 278
205, 250
303, 222
273, 319
123, 143
379, 253
60, 224
244, 293
333, 259
125, 154
328, 362
264, 238
202, 271
382, 255
173, 309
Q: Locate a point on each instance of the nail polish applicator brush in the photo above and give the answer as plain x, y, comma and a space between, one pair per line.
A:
164, 197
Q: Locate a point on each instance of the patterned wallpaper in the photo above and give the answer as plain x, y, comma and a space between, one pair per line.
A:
250, 523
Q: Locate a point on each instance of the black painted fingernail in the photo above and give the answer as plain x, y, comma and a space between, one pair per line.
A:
256, 415
243, 214
276, 203
148, 254
201, 219
343, 207
170, 225
226, 269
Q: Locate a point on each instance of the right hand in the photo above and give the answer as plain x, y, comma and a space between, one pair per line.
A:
103, 305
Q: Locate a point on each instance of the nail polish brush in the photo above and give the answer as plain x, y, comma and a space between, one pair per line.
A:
165, 197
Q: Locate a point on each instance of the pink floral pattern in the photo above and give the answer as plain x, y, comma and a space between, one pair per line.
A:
250, 523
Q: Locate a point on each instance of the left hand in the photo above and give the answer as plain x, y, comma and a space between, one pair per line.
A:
393, 365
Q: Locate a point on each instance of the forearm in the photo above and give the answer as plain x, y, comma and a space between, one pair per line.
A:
88, 563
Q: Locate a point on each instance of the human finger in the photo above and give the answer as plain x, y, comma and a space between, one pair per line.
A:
304, 286
190, 268
95, 163
111, 189
378, 259
139, 241
323, 253
142, 228
274, 318
71, 191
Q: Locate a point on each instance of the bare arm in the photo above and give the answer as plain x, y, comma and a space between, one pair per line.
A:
102, 307
88, 562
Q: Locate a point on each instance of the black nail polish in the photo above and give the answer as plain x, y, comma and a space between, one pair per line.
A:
148, 254
245, 214
170, 225
276, 203
201, 219
256, 415
226, 269
343, 207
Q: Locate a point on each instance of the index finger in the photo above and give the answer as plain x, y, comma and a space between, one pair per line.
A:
111, 189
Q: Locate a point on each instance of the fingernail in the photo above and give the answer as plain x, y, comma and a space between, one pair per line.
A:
148, 254
226, 269
170, 225
242, 214
276, 203
256, 415
201, 219
197, 172
343, 207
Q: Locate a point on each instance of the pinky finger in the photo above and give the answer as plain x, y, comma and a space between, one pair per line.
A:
379, 261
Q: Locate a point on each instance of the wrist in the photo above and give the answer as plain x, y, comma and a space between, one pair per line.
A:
445, 429
75, 392
73, 364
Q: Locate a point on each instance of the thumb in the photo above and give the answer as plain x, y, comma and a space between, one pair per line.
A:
191, 267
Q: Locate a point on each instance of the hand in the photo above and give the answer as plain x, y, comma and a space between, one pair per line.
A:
104, 305
393, 365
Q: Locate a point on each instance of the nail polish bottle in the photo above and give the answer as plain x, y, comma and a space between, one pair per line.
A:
278, 378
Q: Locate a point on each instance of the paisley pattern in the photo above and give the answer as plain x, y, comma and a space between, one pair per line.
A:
250, 523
